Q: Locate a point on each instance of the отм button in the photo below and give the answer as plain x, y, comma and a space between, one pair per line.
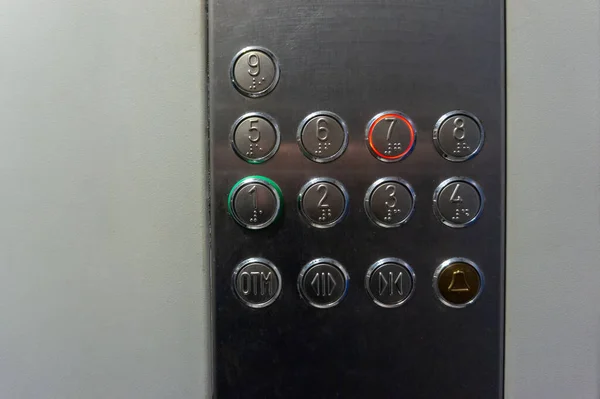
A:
256, 282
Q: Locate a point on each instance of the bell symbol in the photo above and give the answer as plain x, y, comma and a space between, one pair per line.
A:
459, 282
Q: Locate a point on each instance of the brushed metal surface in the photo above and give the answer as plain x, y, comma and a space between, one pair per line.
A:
357, 59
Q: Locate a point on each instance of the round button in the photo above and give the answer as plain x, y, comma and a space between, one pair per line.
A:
322, 136
458, 136
256, 282
254, 71
457, 282
390, 202
390, 282
323, 202
323, 283
390, 136
458, 202
255, 137
255, 202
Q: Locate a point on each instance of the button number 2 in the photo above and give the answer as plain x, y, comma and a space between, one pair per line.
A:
322, 189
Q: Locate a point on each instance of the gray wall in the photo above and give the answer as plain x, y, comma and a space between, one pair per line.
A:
553, 246
103, 274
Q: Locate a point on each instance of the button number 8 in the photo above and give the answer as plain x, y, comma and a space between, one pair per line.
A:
459, 129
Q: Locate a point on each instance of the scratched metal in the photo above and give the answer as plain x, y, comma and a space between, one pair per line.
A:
358, 58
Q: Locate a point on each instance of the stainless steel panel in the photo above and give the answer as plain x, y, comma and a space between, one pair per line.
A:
357, 59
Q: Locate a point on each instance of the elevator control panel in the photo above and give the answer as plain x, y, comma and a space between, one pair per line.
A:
357, 198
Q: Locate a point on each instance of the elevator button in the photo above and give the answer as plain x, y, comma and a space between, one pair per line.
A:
255, 137
254, 71
389, 202
390, 136
390, 282
458, 202
255, 202
458, 136
323, 283
323, 202
322, 136
256, 282
458, 282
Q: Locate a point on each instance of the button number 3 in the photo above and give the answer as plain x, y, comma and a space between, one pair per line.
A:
393, 200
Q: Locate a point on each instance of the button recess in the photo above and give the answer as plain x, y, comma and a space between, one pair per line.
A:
323, 283
323, 202
458, 202
255, 202
458, 282
254, 71
458, 136
390, 202
390, 136
256, 282
322, 136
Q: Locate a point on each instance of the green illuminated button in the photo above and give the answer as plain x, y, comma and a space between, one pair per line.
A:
255, 202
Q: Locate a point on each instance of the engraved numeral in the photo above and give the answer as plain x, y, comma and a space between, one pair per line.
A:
254, 64
322, 129
391, 127
459, 129
254, 195
254, 133
392, 194
322, 189
455, 198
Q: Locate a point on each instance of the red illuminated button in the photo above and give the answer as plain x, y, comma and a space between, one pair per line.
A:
390, 136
